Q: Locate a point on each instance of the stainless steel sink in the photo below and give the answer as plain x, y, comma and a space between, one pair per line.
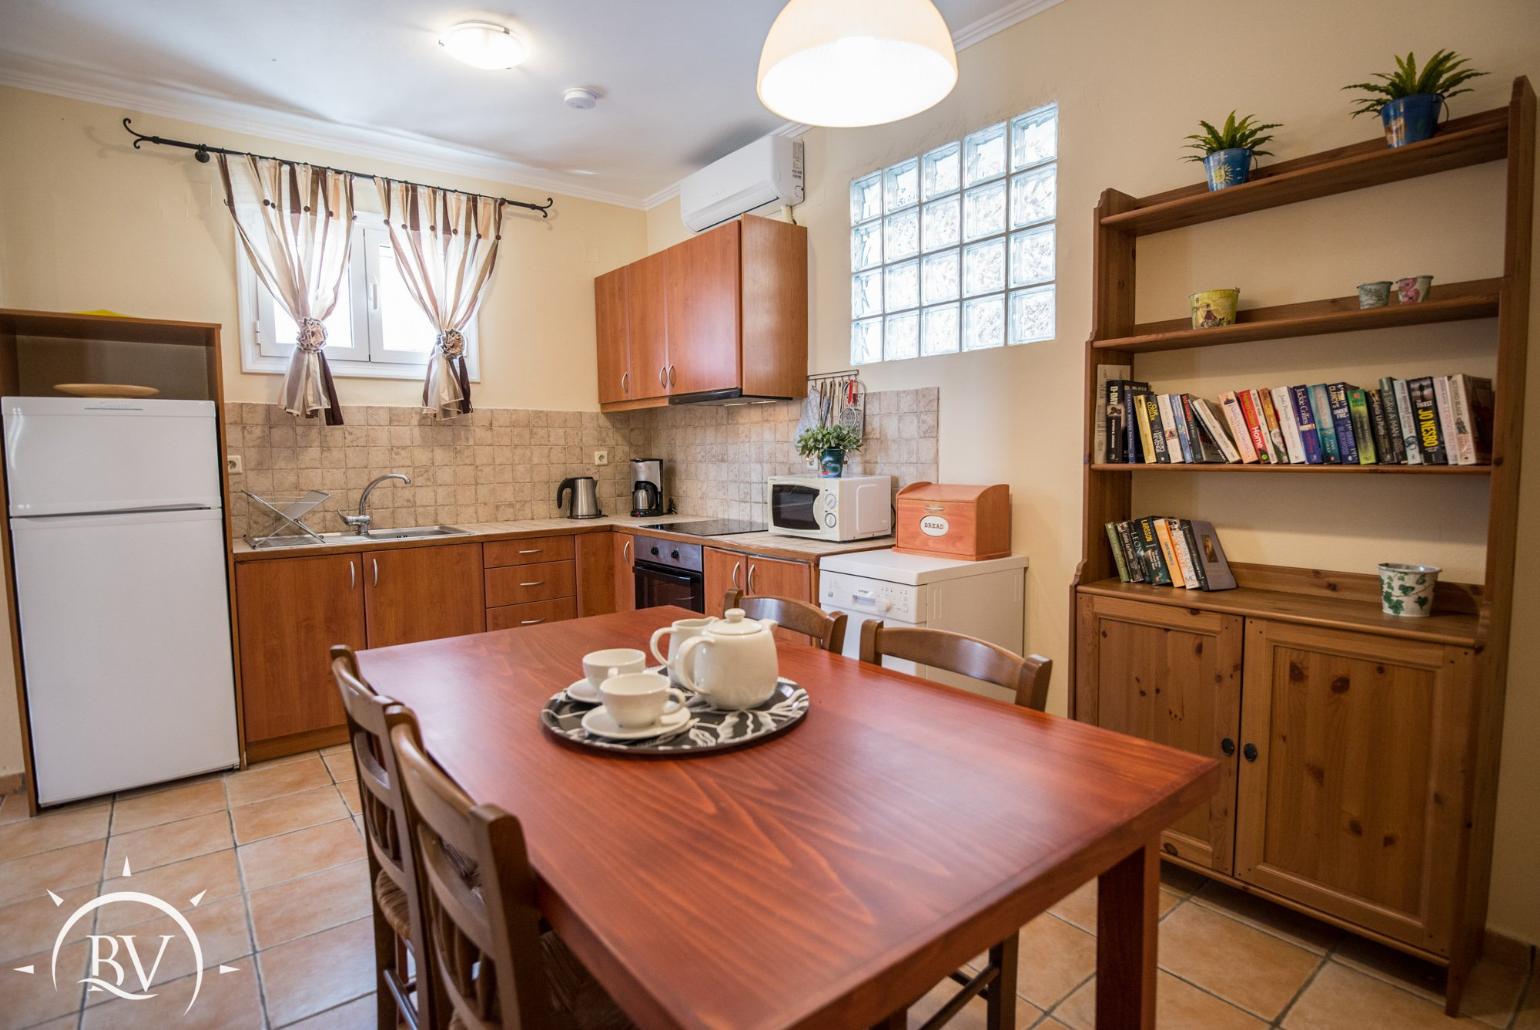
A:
413, 533
272, 543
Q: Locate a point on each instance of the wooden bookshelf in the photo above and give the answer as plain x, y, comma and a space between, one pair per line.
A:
1292, 678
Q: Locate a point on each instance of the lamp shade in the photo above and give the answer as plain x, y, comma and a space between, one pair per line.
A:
856, 62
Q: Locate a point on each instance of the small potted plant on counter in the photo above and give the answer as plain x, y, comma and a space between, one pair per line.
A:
1409, 101
1227, 152
829, 444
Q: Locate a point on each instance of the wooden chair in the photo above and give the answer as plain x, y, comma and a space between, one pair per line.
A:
392, 875
1028, 678
827, 631
494, 969
964, 655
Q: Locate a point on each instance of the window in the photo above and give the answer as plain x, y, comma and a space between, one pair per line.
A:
954, 250
376, 329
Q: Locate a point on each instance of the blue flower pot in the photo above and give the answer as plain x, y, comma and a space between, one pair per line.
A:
1228, 167
831, 463
1411, 119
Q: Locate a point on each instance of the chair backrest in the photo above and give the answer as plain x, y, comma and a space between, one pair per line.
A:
827, 631
484, 939
963, 655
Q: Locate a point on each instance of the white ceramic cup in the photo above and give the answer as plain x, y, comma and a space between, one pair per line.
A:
599, 666
636, 700
680, 631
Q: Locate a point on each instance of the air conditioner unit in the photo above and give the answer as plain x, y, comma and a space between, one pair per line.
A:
766, 171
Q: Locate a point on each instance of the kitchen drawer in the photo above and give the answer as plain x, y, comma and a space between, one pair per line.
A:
512, 616
519, 584
527, 552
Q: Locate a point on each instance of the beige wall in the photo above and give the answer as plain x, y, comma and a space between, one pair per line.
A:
1131, 79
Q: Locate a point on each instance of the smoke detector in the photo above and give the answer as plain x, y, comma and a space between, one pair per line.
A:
580, 98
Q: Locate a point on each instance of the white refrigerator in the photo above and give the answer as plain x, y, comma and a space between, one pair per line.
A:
118, 540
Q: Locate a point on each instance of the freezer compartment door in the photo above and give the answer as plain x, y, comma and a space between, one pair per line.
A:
65, 455
125, 638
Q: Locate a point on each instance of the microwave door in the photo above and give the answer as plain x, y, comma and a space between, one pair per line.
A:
794, 507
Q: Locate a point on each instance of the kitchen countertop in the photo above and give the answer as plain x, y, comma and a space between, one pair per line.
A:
768, 544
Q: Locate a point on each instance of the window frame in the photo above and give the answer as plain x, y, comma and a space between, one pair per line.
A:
262, 353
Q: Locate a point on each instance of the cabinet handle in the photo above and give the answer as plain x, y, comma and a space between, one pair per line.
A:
531, 622
352, 575
531, 550
533, 583
1227, 746
752, 569
625, 382
625, 552
671, 375
736, 566
1249, 752
663, 376
935, 507
376, 563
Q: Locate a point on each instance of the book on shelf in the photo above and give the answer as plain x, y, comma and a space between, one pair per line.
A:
1304, 417
1342, 423
1363, 431
1213, 428
1379, 427
1473, 418
1164, 551
1411, 453
1155, 444
1320, 404
1293, 441
1393, 437
1230, 404
1277, 447
1445, 404
1108, 398
1256, 426
1425, 408
1168, 427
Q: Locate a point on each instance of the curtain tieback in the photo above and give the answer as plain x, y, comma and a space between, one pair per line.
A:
312, 334
451, 342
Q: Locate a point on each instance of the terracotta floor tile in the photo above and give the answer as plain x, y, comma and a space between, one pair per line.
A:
172, 842
30, 926
1396, 968
26, 999
214, 874
1079, 907
299, 853
167, 806
972, 1015
1492, 993
340, 765
54, 830
320, 901
1178, 1006
1053, 959
286, 813
349, 792
299, 756
269, 780
358, 1014
224, 936
1180, 879
1294, 927
157, 788
1344, 999
318, 972
25, 878
1243, 965
225, 1002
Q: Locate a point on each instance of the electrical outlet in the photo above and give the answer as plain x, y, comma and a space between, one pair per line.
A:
601, 457
233, 464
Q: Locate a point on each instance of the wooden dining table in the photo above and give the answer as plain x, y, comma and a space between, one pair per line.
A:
828, 876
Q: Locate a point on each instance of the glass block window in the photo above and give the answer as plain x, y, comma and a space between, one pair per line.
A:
954, 250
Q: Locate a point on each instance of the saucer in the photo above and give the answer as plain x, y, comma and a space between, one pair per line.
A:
583, 692
600, 724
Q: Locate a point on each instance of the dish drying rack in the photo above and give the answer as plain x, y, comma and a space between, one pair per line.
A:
287, 513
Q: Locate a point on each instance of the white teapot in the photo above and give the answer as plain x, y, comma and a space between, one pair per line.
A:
735, 665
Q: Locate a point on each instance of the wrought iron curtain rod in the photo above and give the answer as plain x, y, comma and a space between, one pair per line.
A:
201, 151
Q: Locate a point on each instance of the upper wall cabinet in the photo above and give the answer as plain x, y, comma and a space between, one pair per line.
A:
723, 314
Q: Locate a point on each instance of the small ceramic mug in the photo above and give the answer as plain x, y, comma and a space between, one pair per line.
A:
599, 666
1407, 590
639, 699
1374, 295
1413, 289
680, 631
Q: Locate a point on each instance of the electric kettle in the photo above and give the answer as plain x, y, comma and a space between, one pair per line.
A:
585, 497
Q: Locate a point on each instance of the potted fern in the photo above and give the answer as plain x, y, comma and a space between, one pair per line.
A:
1410, 100
1228, 152
830, 444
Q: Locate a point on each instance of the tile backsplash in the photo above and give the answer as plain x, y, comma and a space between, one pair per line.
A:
502, 464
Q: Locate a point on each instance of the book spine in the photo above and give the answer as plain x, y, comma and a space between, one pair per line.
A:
1184, 558
1482, 414
1382, 451
1158, 450
1105, 397
1168, 430
1279, 447
1117, 551
1304, 416
1459, 400
1149, 546
1190, 539
1363, 431
1256, 432
1168, 552
1446, 427
1238, 429
1183, 438
1213, 425
1146, 437
1283, 404
1426, 408
1201, 452
1392, 421
1131, 405
1320, 403
1137, 573
1412, 453
1114, 440
1342, 423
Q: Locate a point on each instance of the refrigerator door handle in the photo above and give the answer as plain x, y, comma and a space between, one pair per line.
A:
148, 510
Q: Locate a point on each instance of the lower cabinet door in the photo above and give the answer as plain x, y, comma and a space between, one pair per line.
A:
625, 574
1353, 780
1171, 675
595, 574
291, 610
723, 571
423, 593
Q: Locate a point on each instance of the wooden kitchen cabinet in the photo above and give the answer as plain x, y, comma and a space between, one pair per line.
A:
611, 330
595, 573
289, 612
1354, 777
723, 571
647, 326
704, 311
423, 593
776, 577
625, 573
1170, 675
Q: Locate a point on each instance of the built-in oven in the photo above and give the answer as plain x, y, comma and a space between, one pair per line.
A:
669, 572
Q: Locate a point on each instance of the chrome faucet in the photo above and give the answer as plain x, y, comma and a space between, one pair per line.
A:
360, 522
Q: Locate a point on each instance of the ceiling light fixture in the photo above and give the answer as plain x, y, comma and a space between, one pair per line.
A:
483, 44
856, 62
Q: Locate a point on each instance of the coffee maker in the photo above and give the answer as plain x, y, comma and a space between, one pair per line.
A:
646, 487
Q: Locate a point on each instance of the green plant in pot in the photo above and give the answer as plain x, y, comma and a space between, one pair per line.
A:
829, 444
1409, 100
1227, 152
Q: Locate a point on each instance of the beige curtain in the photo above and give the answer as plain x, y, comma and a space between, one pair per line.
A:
446, 246
295, 221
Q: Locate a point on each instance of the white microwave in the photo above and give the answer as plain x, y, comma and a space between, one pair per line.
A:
845, 508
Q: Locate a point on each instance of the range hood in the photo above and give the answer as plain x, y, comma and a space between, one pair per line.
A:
724, 398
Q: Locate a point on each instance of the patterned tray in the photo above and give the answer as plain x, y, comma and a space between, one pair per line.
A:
709, 729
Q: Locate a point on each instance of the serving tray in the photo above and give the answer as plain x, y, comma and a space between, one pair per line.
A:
709, 729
